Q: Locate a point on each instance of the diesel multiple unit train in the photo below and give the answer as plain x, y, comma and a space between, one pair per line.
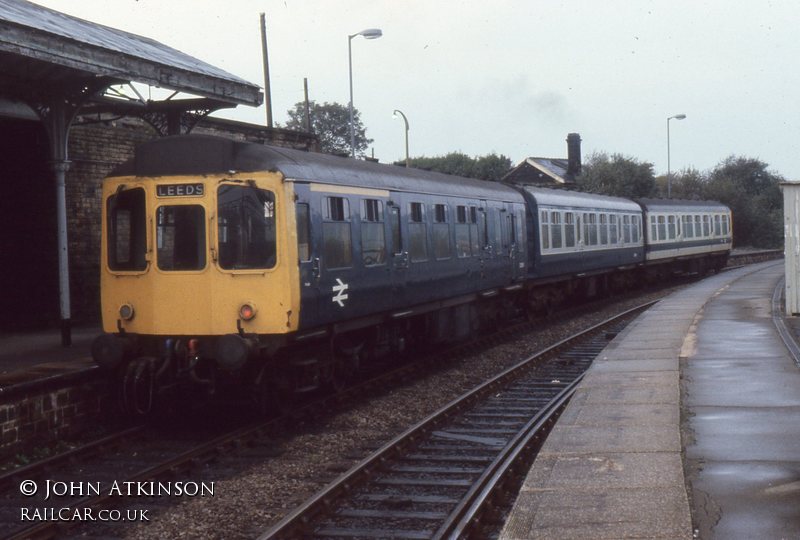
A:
284, 271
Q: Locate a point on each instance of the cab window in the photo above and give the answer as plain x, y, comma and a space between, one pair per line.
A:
181, 237
127, 226
246, 227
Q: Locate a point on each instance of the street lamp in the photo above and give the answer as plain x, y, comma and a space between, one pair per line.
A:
669, 175
394, 115
369, 33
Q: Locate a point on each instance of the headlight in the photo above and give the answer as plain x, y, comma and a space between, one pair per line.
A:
126, 312
247, 312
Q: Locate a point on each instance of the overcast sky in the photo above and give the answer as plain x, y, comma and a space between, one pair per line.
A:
513, 76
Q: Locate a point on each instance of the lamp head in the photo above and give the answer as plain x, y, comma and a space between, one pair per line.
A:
679, 116
371, 33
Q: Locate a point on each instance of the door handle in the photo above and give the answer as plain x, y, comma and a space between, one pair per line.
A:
315, 268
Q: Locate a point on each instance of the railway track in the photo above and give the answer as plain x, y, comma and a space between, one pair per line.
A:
145, 454
436, 479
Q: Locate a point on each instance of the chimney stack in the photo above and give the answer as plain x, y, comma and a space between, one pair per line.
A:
573, 155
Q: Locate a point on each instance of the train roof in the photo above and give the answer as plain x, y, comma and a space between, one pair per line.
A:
579, 199
681, 205
205, 154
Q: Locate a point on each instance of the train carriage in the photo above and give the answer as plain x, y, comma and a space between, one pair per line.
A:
575, 234
221, 256
282, 271
696, 234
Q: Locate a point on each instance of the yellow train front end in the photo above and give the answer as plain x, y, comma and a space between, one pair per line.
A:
199, 277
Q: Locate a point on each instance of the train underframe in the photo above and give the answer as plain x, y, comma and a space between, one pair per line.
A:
277, 370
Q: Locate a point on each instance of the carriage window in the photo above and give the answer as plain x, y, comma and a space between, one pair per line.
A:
706, 226
394, 218
544, 222
725, 227
688, 228
510, 232
483, 229
439, 213
698, 228
246, 227
569, 229
626, 229
613, 236
474, 236
603, 229
671, 232
662, 227
463, 248
441, 232
555, 230
585, 236
417, 235
337, 251
303, 232
637, 228
717, 226
373, 241
498, 236
181, 237
593, 229
127, 230
653, 228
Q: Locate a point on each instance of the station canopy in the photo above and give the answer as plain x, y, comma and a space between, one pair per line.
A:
46, 54
62, 66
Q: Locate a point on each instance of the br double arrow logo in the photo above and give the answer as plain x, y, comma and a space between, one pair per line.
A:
340, 289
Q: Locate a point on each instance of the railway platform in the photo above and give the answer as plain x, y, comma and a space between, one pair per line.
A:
684, 427
30, 356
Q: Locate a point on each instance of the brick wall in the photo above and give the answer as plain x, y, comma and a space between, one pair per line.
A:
94, 149
43, 417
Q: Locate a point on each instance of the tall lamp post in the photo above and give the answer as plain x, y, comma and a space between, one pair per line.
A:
394, 115
669, 173
369, 33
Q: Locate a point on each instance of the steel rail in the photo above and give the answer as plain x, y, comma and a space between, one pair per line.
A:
39, 467
191, 458
296, 523
458, 522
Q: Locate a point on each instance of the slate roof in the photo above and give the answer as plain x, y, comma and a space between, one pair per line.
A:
40, 46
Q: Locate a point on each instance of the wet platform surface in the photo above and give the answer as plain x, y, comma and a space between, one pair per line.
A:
613, 466
742, 408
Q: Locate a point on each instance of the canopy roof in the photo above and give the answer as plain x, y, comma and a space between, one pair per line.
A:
43, 51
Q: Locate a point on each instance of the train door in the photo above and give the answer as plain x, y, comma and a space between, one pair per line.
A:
482, 243
511, 246
398, 248
308, 262
336, 258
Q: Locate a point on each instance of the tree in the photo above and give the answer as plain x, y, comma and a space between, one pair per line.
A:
330, 122
754, 196
617, 175
687, 184
490, 167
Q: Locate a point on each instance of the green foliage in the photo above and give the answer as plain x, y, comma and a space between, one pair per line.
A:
754, 196
617, 175
751, 192
330, 122
687, 184
490, 167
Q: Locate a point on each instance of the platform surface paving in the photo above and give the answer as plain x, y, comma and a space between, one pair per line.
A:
612, 466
